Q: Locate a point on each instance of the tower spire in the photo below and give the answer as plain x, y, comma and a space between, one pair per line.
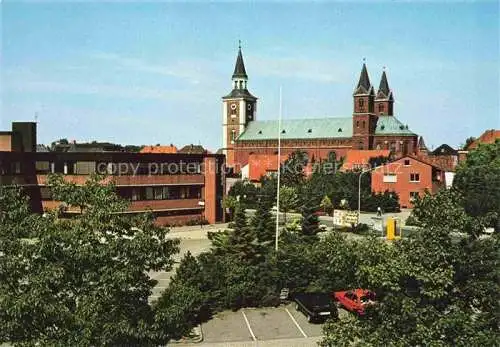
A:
384, 85
239, 68
364, 84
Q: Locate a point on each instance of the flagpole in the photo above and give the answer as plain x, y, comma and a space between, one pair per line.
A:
278, 183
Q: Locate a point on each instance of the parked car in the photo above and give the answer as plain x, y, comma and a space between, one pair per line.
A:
317, 307
355, 300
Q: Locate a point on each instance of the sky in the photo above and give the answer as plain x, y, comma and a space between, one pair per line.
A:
147, 73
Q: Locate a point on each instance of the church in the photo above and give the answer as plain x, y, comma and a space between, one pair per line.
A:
372, 126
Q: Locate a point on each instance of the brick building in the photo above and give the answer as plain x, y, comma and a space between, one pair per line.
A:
373, 125
177, 187
409, 177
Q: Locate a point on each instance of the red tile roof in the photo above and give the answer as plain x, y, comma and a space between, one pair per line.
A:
159, 149
358, 158
261, 164
488, 137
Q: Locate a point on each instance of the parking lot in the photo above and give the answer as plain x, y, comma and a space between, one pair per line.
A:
275, 326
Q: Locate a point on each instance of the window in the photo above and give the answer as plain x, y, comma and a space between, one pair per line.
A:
158, 193
364, 124
357, 123
381, 108
414, 177
407, 162
45, 193
414, 196
136, 194
85, 167
42, 167
361, 103
360, 145
16, 167
166, 194
233, 135
390, 178
149, 193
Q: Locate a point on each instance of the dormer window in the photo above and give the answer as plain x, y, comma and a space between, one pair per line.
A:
309, 130
283, 131
340, 130
260, 132
382, 128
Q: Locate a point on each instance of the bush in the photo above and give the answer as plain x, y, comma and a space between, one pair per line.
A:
197, 221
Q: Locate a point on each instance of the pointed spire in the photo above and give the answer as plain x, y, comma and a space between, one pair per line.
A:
239, 68
421, 144
384, 85
364, 80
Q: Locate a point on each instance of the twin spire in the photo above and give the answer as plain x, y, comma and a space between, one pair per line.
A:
364, 86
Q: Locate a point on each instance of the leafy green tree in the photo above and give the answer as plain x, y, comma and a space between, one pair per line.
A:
288, 200
81, 281
292, 170
230, 203
429, 293
478, 179
326, 205
246, 192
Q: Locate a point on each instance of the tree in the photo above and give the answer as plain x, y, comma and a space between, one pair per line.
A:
264, 224
292, 170
310, 220
326, 205
230, 203
246, 192
81, 281
288, 200
478, 180
428, 292
242, 239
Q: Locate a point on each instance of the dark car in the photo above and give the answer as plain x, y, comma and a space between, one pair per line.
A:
316, 306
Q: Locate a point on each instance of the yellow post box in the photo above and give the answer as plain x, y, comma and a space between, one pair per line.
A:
393, 229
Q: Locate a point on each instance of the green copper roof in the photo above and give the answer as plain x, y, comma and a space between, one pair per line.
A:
319, 128
390, 125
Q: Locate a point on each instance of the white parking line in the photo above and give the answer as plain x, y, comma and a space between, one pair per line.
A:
297, 324
248, 325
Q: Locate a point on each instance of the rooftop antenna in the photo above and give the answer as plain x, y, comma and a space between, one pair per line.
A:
239, 44
36, 117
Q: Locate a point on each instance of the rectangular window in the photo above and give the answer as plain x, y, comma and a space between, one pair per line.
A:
390, 178
16, 167
407, 162
45, 193
414, 177
414, 196
149, 193
84, 167
42, 167
166, 195
136, 194
158, 193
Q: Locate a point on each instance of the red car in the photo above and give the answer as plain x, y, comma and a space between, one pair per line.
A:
354, 300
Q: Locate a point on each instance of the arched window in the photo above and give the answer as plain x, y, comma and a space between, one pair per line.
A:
381, 108
360, 145
364, 124
233, 135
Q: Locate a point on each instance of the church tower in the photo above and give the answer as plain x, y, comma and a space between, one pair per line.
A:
239, 108
384, 101
364, 118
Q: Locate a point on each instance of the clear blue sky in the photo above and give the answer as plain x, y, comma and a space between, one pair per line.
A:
136, 73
